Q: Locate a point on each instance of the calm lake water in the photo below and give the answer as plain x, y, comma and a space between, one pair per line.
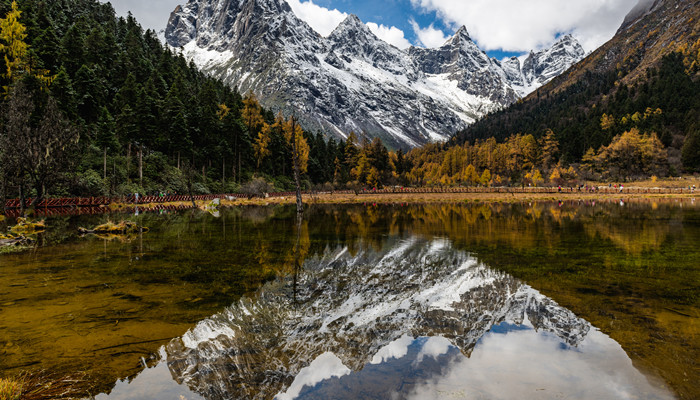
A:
577, 300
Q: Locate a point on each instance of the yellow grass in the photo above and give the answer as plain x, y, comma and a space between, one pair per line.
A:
443, 198
25, 226
110, 228
10, 389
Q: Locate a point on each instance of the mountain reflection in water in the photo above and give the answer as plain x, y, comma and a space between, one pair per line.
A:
416, 320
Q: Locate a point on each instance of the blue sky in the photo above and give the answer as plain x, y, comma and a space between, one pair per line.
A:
399, 13
500, 27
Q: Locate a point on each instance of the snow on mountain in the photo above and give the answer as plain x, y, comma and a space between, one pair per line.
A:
352, 80
543, 66
354, 306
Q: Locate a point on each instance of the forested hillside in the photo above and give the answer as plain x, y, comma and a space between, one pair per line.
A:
92, 104
129, 115
646, 78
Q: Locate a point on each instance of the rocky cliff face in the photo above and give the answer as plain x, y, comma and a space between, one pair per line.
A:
543, 66
354, 306
352, 80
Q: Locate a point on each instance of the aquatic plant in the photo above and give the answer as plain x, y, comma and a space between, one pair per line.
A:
122, 228
41, 385
26, 226
10, 389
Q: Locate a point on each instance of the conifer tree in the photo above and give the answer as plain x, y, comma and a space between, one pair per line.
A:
300, 154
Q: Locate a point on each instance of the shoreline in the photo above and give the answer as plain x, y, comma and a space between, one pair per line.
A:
345, 197
413, 198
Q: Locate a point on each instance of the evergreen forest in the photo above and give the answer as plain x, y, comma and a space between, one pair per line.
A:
93, 105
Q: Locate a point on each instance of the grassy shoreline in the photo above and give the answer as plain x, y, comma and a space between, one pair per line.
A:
342, 198
413, 198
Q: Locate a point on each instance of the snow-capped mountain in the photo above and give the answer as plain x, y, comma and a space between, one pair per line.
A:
354, 306
352, 80
543, 66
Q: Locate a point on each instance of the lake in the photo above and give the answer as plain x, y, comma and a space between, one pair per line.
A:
576, 300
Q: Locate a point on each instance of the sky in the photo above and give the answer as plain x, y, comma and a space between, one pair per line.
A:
502, 28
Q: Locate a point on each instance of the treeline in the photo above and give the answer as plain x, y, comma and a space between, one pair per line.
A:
527, 161
146, 120
94, 105
594, 110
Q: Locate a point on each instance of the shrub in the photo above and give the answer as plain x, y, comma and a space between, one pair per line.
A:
257, 187
10, 389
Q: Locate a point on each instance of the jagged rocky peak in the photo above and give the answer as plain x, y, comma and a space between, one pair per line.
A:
546, 64
642, 8
459, 53
352, 39
350, 28
511, 67
460, 37
332, 306
226, 24
350, 80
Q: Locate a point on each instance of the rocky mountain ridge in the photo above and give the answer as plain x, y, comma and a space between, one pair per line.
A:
352, 80
354, 306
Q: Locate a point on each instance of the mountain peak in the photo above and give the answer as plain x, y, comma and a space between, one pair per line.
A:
349, 81
542, 66
461, 36
352, 19
463, 32
642, 8
349, 25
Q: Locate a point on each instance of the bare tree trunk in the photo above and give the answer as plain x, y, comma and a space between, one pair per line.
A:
236, 153
128, 161
297, 261
21, 198
141, 165
39, 186
104, 159
223, 172
295, 158
178, 160
114, 176
3, 195
189, 191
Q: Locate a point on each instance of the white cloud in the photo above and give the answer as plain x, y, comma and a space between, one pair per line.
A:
517, 25
321, 19
391, 35
325, 366
396, 349
152, 14
429, 37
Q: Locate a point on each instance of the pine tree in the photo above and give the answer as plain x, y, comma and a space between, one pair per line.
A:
13, 45
690, 153
262, 143
300, 154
